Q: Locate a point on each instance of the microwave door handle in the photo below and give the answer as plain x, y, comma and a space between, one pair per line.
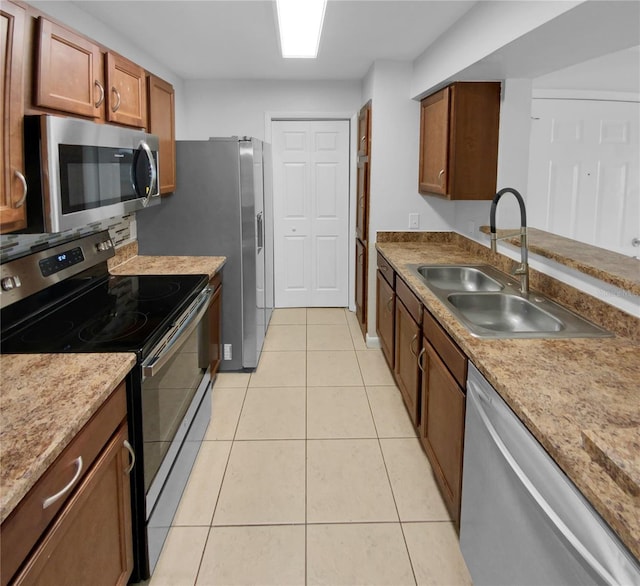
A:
154, 172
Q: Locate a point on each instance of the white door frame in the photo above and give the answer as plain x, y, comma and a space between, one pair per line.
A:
352, 118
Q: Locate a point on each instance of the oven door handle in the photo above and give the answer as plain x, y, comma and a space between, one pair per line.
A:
183, 328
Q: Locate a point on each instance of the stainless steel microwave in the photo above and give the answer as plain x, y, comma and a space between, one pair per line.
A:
80, 172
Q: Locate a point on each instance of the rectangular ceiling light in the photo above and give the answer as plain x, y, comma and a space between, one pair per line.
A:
300, 24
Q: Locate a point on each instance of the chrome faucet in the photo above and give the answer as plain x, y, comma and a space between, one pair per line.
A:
523, 269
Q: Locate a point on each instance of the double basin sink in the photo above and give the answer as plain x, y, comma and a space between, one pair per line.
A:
489, 304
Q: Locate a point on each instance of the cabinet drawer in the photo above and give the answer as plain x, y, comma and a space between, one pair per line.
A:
29, 519
385, 270
448, 350
411, 302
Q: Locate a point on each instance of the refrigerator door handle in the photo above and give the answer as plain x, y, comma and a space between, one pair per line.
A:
260, 232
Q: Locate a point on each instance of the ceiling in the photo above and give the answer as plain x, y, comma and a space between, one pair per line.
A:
238, 39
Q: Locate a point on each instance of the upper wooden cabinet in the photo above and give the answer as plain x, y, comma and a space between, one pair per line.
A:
68, 71
72, 76
459, 141
126, 88
364, 130
364, 152
13, 212
161, 122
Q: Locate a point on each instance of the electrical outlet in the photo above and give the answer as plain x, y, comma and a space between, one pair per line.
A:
414, 221
227, 351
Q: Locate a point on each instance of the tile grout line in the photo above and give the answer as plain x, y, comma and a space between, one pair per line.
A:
306, 446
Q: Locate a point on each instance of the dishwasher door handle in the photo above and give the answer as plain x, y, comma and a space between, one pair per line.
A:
560, 526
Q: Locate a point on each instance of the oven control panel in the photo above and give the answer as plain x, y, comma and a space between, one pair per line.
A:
60, 261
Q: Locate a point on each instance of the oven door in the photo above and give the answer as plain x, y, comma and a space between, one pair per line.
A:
175, 379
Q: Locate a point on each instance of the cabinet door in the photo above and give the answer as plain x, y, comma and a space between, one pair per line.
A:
434, 143
91, 540
161, 122
215, 323
126, 91
442, 428
68, 71
385, 310
13, 212
362, 207
364, 130
408, 343
361, 284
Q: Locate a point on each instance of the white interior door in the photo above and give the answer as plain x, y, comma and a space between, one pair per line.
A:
311, 212
583, 171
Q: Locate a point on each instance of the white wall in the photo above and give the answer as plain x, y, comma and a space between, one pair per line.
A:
485, 28
395, 146
238, 107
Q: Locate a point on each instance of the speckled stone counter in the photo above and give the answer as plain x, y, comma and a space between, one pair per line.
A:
558, 388
45, 400
170, 265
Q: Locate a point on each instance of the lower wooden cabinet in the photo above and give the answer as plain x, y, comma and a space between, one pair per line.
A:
385, 317
215, 323
361, 284
408, 344
441, 429
74, 525
90, 542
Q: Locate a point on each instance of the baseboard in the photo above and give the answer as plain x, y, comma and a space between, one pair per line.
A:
372, 341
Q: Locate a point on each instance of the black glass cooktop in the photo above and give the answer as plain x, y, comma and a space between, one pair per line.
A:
119, 314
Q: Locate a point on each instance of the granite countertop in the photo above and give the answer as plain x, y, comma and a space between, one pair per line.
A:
38, 418
170, 265
564, 390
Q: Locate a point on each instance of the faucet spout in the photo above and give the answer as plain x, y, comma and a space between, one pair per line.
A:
523, 269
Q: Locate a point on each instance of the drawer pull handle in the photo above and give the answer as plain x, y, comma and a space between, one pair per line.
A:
389, 302
115, 107
133, 456
23, 181
101, 98
422, 353
53, 498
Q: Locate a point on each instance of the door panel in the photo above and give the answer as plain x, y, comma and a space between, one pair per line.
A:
584, 171
311, 212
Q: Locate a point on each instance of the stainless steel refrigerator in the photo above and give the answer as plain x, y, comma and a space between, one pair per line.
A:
222, 206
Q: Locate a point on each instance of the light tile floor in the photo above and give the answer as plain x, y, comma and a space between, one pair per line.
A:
311, 473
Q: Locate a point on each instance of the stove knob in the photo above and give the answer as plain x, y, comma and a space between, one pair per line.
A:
9, 283
103, 246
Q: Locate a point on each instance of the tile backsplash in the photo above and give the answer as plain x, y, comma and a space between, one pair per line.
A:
122, 230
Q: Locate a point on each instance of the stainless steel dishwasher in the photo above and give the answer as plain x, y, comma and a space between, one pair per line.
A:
523, 521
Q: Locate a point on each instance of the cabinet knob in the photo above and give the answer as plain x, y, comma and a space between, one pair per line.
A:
9, 283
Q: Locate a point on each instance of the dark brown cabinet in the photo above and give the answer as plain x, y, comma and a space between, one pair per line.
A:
161, 122
69, 71
362, 214
13, 211
459, 141
443, 398
126, 89
215, 323
385, 309
361, 284
408, 343
81, 535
